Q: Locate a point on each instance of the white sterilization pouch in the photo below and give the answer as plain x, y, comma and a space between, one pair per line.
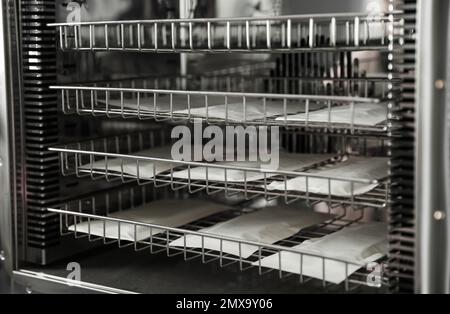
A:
147, 169
352, 168
341, 254
363, 115
254, 110
266, 226
288, 162
163, 103
167, 213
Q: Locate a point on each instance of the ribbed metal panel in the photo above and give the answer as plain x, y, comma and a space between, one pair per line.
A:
402, 235
41, 122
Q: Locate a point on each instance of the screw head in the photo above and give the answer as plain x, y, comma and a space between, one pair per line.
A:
2, 256
439, 84
439, 215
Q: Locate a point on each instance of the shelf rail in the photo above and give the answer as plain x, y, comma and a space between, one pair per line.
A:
330, 32
160, 237
120, 159
212, 100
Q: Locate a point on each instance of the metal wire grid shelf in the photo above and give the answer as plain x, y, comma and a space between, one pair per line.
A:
252, 82
81, 160
331, 32
258, 78
77, 212
181, 106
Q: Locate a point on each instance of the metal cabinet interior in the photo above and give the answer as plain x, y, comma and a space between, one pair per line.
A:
30, 180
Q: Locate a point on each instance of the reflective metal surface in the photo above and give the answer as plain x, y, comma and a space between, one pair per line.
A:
432, 152
6, 232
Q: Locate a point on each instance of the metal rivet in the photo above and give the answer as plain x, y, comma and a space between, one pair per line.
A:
2, 256
440, 84
439, 215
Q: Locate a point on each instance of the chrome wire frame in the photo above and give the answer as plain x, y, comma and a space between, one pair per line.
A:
331, 32
284, 34
77, 212
79, 158
143, 102
259, 78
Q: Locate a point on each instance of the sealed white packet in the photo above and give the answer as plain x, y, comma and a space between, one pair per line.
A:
167, 213
266, 226
253, 110
354, 167
288, 162
363, 115
164, 103
334, 257
147, 169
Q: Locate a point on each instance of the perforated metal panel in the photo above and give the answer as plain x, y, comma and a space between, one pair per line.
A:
402, 236
41, 171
